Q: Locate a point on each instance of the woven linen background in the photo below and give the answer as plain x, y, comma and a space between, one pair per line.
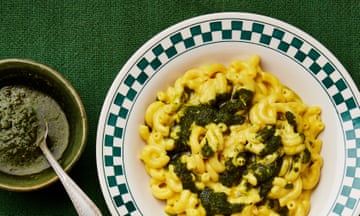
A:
88, 41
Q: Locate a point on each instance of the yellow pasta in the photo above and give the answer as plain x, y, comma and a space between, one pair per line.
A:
232, 141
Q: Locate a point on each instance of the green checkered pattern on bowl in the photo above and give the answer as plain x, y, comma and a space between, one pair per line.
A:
231, 30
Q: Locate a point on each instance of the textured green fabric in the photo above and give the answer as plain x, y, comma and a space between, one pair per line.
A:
89, 41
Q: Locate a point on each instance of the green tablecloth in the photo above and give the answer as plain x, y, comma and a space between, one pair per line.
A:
89, 41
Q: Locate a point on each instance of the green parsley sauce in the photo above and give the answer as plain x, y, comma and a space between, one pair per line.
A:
22, 109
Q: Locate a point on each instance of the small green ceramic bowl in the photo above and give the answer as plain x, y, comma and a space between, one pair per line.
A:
51, 82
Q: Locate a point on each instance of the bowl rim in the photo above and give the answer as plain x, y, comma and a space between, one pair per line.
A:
12, 63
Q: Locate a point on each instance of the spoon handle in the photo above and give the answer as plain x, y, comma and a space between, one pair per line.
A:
83, 204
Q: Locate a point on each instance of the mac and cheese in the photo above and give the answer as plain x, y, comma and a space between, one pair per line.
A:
232, 141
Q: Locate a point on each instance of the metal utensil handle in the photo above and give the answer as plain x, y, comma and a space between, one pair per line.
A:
83, 204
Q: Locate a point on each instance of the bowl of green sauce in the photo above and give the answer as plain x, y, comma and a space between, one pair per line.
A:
31, 93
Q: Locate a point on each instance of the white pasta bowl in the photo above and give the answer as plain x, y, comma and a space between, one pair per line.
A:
295, 58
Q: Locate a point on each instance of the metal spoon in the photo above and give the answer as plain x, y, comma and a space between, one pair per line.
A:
83, 204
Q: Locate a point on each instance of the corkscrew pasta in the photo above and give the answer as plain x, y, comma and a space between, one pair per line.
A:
232, 141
